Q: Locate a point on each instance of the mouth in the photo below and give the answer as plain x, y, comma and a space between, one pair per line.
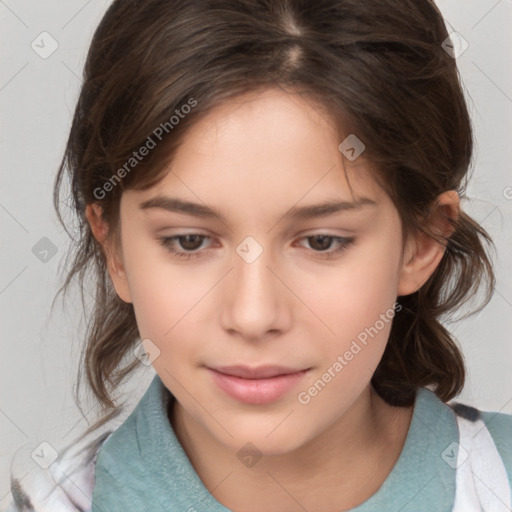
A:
257, 386
260, 372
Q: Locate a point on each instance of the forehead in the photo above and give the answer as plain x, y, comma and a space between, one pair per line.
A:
265, 123
267, 149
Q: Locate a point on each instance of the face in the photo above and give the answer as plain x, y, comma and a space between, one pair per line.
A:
266, 280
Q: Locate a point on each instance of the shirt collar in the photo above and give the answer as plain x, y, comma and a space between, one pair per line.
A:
420, 479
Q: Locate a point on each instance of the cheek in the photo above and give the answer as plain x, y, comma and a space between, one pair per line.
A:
356, 302
167, 306
369, 277
359, 308
163, 294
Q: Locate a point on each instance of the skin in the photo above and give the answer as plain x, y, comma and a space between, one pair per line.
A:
253, 159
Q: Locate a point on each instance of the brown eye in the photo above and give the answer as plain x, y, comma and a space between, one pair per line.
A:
190, 242
321, 245
183, 246
320, 242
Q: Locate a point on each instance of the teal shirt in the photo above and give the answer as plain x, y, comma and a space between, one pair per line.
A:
143, 467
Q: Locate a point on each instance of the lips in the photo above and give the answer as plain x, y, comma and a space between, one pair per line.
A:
261, 372
256, 386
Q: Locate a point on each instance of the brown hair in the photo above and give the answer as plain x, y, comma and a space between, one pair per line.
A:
377, 66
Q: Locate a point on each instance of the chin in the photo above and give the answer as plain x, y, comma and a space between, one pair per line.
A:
280, 442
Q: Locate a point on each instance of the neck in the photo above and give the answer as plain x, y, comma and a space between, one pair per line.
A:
339, 468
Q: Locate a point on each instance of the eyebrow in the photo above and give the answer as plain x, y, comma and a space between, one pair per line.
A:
302, 212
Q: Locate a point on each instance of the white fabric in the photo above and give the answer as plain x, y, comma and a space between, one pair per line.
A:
481, 478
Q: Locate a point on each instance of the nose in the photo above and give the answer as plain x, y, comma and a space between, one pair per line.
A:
256, 303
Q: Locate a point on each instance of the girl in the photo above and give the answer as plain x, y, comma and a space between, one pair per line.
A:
268, 193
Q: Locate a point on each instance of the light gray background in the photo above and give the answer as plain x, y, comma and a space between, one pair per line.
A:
37, 97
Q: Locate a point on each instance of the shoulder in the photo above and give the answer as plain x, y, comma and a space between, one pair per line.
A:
63, 484
499, 426
127, 447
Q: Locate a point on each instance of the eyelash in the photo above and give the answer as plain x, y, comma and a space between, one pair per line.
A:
167, 241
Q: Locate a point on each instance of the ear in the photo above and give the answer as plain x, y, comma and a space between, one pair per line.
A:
100, 231
423, 253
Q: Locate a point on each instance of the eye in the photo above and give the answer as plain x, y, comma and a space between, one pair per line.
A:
190, 242
321, 244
